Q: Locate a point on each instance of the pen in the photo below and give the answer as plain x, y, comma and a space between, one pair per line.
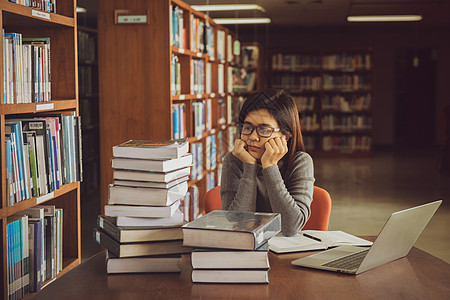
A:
312, 237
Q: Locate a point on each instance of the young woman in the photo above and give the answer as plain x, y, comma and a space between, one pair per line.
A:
268, 169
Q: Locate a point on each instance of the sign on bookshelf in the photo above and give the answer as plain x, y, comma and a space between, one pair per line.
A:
128, 16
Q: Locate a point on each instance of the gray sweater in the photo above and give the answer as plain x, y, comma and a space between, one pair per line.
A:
249, 187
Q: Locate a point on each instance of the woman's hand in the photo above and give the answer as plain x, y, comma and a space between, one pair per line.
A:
276, 148
240, 152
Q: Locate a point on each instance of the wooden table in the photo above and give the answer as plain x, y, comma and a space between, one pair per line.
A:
417, 276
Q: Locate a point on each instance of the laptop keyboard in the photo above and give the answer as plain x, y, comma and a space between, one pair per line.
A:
348, 262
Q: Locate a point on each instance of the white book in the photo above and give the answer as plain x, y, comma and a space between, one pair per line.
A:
151, 149
146, 264
146, 196
176, 219
151, 176
150, 164
141, 211
151, 184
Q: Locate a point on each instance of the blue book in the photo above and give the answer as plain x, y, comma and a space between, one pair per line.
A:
15, 127
9, 259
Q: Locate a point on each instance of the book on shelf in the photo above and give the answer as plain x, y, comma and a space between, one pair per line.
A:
144, 264
117, 210
177, 219
129, 234
151, 176
150, 164
146, 196
231, 230
151, 184
210, 258
308, 240
230, 276
146, 149
139, 249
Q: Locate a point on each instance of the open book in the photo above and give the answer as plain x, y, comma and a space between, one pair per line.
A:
308, 240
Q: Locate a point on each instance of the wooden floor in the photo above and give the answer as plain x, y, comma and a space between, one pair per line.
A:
364, 191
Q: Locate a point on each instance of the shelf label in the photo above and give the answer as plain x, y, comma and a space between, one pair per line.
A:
213, 95
213, 131
46, 106
211, 58
40, 14
97, 236
131, 16
46, 197
199, 54
132, 19
181, 50
182, 97
199, 96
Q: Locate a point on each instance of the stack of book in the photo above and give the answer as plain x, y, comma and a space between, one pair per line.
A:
231, 246
141, 227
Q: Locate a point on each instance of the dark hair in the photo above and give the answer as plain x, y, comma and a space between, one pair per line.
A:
282, 107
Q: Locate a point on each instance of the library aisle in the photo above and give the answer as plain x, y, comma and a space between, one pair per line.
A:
364, 191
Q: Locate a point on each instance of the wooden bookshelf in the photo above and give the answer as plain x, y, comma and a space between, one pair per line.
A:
145, 74
333, 92
61, 28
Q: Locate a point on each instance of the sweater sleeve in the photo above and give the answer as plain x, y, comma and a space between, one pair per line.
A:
291, 198
238, 184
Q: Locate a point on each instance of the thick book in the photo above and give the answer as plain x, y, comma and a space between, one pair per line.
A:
230, 276
177, 219
231, 230
308, 240
210, 258
141, 211
129, 234
145, 264
139, 249
152, 165
151, 149
150, 184
146, 196
151, 176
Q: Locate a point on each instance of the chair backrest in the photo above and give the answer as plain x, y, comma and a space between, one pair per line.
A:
320, 210
212, 200
320, 207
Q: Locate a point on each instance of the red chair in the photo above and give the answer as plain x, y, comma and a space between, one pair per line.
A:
320, 207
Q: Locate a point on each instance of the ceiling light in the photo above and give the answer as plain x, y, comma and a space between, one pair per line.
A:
385, 18
225, 7
226, 21
81, 9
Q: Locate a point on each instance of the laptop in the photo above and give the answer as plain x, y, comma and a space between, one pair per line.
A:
395, 240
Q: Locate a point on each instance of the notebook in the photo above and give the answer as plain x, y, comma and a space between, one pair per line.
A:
395, 240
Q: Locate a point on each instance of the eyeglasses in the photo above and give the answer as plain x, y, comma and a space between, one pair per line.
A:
262, 131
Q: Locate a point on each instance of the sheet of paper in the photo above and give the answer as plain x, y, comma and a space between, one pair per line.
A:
337, 238
298, 242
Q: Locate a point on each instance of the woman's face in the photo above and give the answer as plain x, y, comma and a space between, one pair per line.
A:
255, 143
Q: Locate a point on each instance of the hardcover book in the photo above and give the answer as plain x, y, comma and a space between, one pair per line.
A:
146, 196
151, 176
146, 264
142, 211
138, 234
208, 258
230, 276
151, 149
231, 230
151, 184
152, 165
177, 219
139, 249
